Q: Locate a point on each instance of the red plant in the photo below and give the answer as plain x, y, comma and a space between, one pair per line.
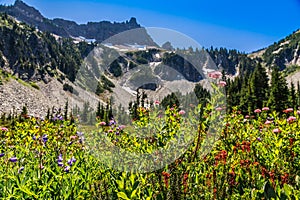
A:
184, 182
284, 178
232, 177
166, 178
221, 156
246, 146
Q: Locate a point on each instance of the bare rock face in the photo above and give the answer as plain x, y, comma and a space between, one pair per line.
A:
16, 94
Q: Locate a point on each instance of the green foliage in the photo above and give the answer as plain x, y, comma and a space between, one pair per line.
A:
282, 52
115, 68
34, 85
248, 161
170, 101
290, 70
202, 94
104, 84
279, 94
67, 87
28, 50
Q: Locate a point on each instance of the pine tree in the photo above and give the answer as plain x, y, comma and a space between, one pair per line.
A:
98, 111
259, 87
298, 93
293, 97
279, 94
66, 110
84, 115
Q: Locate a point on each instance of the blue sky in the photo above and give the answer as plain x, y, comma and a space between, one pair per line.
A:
243, 25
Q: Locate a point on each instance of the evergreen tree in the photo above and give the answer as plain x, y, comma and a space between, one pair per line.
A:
98, 111
293, 97
279, 94
66, 110
24, 111
84, 115
298, 93
259, 87
48, 114
170, 100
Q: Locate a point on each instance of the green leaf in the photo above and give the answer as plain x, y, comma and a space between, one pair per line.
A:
120, 184
27, 191
133, 194
287, 189
269, 191
122, 195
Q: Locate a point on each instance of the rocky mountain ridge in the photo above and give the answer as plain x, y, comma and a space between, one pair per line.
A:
98, 31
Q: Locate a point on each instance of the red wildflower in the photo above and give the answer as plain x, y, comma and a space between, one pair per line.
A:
166, 178
184, 182
284, 178
288, 110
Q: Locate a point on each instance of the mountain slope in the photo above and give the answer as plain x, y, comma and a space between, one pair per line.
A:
99, 31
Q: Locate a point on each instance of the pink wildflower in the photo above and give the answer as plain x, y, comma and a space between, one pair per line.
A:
181, 112
257, 110
102, 123
73, 137
291, 119
222, 83
215, 75
219, 109
4, 129
265, 108
268, 122
276, 130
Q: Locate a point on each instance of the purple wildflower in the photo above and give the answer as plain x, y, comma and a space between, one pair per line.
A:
67, 169
60, 164
117, 133
71, 161
13, 159
1, 155
79, 134
60, 158
21, 169
112, 122
45, 138
258, 139
122, 127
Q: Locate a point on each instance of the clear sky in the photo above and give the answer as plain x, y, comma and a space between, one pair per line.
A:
243, 25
